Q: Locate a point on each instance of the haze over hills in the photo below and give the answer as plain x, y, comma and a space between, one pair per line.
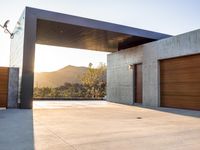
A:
57, 78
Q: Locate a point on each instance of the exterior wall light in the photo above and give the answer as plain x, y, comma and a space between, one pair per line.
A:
5, 27
130, 67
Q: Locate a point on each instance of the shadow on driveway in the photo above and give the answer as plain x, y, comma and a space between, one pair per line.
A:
16, 129
183, 112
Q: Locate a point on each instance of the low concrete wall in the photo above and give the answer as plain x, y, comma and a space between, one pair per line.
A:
13, 84
120, 79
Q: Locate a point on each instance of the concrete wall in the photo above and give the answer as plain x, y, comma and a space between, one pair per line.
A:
16, 49
22, 55
120, 79
13, 84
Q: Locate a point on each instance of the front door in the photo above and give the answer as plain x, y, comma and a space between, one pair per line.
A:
138, 83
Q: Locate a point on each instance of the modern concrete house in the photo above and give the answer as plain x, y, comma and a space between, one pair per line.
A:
145, 67
168, 73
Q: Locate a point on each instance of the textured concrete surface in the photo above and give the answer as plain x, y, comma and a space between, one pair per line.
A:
120, 83
13, 87
98, 126
120, 80
16, 46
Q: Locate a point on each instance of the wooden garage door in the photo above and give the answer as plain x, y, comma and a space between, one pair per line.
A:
3, 86
180, 82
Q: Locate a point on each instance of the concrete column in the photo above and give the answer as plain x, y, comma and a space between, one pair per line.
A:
13, 84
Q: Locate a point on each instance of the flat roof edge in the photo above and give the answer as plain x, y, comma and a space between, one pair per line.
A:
96, 24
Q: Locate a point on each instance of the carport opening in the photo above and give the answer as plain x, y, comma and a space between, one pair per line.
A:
69, 74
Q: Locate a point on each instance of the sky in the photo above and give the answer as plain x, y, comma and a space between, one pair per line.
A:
59, 57
166, 16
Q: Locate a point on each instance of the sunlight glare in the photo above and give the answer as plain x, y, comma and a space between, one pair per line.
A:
52, 58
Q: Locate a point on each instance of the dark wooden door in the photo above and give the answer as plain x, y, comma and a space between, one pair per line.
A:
138, 83
180, 82
3, 86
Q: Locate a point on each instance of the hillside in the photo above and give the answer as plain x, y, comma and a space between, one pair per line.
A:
69, 74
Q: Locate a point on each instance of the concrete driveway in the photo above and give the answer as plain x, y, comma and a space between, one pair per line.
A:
98, 126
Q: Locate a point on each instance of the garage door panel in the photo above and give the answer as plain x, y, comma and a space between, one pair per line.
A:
181, 70
173, 64
3, 77
3, 83
3, 97
178, 65
180, 82
186, 102
190, 75
3, 86
3, 92
4, 70
190, 89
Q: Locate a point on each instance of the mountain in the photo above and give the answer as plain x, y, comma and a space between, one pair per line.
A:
57, 78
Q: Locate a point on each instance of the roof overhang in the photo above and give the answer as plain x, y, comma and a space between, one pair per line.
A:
76, 32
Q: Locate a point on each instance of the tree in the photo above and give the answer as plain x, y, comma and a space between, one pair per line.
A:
94, 81
93, 84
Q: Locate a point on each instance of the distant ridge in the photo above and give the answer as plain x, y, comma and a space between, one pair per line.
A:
57, 78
